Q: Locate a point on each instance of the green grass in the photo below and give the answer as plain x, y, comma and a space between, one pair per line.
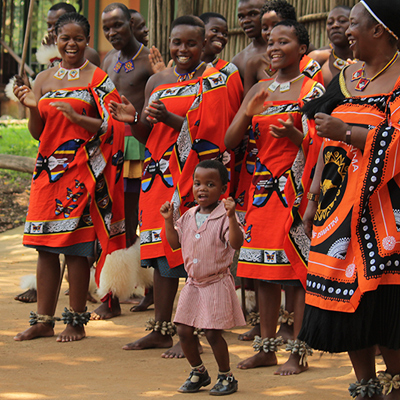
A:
15, 139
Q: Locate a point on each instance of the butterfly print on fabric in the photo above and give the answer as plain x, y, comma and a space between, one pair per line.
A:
206, 150
152, 168
73, 196
247, 234
266, 184
252, 150
188, 204
61, 209
240, 199
118, 161
58, 162
79, 184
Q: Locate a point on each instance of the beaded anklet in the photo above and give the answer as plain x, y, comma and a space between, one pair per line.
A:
35, 318
267, 344
365, 388
75, 318
301, 348
388, 382
285, 317
164, 327
254, 318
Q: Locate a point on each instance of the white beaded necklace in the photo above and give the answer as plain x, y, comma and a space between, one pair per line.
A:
72, 73
284, 86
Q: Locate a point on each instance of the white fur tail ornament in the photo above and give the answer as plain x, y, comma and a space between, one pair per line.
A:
28, 282
9, 89
250, 299
46, 53
122, 274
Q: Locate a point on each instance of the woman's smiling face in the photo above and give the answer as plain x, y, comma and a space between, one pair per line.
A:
186, 45
71, 43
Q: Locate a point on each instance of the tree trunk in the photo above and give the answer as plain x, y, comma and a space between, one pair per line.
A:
17, 163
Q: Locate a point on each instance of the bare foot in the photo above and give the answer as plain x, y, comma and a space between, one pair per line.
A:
105, 312
132, 300
177, 352
71, 334
251, 334
145, 303
30, 296
35, 331
291, 366
154, 340
90, 298
261, 359
286, 331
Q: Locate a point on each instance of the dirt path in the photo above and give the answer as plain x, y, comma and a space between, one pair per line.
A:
97, 367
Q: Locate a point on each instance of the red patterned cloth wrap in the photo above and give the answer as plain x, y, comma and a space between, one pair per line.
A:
244, 166
276, 246
171, 156
235, 93
77, 189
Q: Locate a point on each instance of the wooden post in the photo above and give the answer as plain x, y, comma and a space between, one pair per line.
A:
26, 39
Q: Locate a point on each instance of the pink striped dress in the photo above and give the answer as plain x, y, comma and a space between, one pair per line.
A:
208, 300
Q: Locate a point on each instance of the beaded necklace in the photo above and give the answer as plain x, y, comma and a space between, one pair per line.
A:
363, 82
270, 71
284, 86
339, 63
72, 74
128, 65
187, 75
215, 61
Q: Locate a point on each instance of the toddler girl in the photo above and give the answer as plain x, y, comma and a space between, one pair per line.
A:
208, 234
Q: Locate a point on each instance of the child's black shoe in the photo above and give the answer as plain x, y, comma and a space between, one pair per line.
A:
226, 384
195, 381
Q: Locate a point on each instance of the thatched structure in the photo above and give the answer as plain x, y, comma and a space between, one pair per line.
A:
313, 13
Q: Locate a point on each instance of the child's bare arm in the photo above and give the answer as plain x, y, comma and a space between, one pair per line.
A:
167, 210
235, 233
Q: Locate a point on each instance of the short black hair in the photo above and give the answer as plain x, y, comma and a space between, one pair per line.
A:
190, 20
347, 8
122, 7
205, 17
215, 164
132, 11
73, 18
299, 29
69, 8
281, 7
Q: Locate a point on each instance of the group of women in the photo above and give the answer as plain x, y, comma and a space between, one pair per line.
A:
326, 165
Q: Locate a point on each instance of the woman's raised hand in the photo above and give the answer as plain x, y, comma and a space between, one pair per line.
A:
156, 61
258, 103
285, 130
25, 95
124, 112
156, 112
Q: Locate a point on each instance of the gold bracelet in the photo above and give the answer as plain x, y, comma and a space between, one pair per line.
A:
312, 196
